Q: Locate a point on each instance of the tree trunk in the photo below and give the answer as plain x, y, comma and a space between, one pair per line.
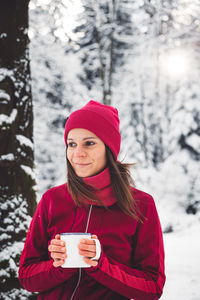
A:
17, 194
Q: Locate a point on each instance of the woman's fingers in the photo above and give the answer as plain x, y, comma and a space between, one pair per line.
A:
94, 236
87, 253
87, 248
57, 245
58, 262
58, 255
57, 241
57, 250
90, 262
53, 248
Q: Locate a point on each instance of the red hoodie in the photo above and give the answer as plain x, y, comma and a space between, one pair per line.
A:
131, 265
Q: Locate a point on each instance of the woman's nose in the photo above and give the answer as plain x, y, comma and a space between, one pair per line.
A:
79, 151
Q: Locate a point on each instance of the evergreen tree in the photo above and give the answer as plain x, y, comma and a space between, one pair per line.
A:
164, 97
104, 27
163, 29
17, 194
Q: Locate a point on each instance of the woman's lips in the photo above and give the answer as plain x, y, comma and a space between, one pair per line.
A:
81, 165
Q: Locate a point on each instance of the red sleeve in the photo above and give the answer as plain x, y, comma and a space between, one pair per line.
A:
36, 271
146, 278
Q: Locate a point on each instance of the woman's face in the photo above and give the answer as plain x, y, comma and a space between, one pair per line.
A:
86, 152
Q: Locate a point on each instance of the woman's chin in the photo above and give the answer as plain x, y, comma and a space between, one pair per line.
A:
88, 173
84, 174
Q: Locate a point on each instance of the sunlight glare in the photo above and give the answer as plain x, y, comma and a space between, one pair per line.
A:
175, 63
69, 19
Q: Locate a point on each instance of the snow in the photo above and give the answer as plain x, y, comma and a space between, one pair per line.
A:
4, 236
174, 183
8, 119
25, 98
4, 96
182, 264
9, 253
5, 72
14, 294
145, 106
28, 171
11, 227
7, 221
3, 35
16, 94
4, 206
9, 156
193, 141
169, 186
24, 141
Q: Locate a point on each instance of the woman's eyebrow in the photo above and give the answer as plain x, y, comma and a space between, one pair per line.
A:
87, 138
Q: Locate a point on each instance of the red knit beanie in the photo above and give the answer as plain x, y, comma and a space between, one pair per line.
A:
101, 119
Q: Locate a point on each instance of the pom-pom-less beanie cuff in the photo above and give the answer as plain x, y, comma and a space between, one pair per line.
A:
100, 119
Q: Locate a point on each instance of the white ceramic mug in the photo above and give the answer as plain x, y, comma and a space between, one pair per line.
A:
74, 259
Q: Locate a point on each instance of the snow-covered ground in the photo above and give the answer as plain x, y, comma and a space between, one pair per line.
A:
182, 250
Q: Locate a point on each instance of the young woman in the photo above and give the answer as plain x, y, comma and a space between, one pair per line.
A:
97, 199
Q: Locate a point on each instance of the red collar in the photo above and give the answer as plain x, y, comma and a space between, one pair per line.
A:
102, 181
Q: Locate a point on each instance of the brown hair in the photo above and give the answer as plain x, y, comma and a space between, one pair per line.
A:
120, 181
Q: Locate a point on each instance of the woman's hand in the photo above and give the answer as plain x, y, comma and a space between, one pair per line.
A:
58, 251
87, 248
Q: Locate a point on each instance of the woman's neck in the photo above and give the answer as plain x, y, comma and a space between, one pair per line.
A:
102, 183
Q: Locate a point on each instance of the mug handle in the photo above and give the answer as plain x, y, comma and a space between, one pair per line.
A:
98, 250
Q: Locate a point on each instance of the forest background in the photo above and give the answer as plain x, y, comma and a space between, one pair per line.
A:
143, 57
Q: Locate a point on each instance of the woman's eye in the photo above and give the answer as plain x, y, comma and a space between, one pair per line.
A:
88, 143
71, 145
